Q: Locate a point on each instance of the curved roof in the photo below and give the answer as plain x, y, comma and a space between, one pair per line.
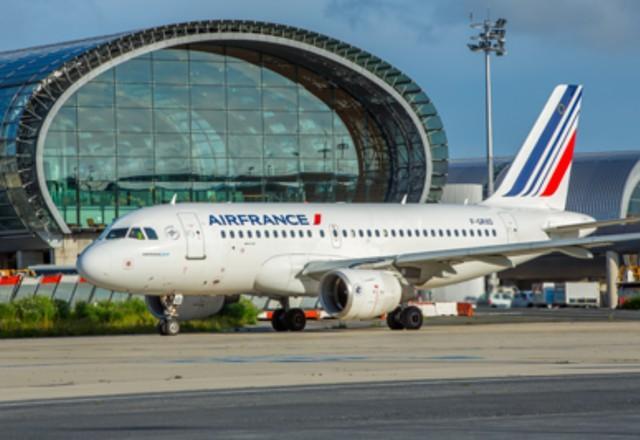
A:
601, 184
33, 80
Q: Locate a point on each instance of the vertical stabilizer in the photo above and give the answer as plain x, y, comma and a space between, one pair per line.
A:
539, 175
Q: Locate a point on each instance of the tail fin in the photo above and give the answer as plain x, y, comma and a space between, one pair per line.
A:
539, 175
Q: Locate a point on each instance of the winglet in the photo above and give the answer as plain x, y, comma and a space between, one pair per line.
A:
174, 198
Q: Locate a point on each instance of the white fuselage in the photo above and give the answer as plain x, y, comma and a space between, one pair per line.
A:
222, 249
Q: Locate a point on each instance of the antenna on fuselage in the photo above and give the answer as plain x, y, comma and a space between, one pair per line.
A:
174, 198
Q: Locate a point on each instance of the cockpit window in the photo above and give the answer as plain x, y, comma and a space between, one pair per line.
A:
151, 233
136, 233
117, 233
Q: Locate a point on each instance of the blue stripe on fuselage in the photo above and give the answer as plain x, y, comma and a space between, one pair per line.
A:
541, 145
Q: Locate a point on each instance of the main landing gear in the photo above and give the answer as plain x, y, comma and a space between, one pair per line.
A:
405, 318
285, 318
169, 325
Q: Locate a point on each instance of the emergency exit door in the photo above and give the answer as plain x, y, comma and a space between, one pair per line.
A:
193, 234
510, 226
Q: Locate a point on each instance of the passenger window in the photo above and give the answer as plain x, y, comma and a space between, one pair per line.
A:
425, 233
368, 232
393, 232
249, 234
448, 232
151, 233
494, 233
464, 232
385, 233
223, 234
136, 234
309, 233
377, 232
292, 233
401, 232
344, 233
258, 234
440, 233
455, 232
232, 234
335, 233
266, 234
353, 233
408, 232
240, 234
117, 233
322, 233
433, 232
360, 233
486, 232
417, 231
301, 233
275, 234
471, 232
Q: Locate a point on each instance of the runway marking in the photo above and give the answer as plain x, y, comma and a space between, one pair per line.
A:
271, 359
318, 359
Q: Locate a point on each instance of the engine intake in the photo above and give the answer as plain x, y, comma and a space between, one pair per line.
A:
359, 294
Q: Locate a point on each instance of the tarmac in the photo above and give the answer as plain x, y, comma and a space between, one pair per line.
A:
567, 379
562, 407
115, 365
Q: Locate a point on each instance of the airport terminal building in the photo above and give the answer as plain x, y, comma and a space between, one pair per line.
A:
211, 111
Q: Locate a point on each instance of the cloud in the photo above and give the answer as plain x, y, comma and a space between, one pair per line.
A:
385, 14
592, 24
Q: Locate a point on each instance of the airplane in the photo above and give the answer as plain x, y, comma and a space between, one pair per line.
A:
362, 260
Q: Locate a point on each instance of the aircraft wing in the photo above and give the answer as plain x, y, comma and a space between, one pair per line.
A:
593, 225
424, 265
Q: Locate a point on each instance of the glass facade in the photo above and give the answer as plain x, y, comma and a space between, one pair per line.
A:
209, 123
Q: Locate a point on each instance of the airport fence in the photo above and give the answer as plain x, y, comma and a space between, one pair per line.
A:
69, 288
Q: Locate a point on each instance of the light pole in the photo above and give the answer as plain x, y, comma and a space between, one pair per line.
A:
490, 39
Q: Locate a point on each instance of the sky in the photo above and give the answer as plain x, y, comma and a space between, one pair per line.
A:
549, 42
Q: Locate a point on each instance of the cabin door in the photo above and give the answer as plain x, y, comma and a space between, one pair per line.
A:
193, 234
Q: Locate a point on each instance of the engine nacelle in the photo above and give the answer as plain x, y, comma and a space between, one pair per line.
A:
359, 294
192, 307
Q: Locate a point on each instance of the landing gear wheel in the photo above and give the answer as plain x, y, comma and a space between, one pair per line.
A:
295, 320
278, 320
393, 319
169, 327
411, 318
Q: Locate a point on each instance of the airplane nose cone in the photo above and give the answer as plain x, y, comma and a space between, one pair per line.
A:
93, 265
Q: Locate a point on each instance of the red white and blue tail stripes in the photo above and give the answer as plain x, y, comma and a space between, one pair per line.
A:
540, 168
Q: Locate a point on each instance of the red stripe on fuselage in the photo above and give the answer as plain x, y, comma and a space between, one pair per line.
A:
561, 169
317, 219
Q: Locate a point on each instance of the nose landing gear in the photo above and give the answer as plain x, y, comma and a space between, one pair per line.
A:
169, 325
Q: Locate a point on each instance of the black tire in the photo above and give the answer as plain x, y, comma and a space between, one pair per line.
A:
278, 321
411, 318
393, 319
295, 320
169, 327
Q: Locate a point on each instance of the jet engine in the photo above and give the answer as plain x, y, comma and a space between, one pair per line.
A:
360, 294
192, 307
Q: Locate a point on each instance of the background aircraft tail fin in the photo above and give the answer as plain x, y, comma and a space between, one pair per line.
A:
539, 175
